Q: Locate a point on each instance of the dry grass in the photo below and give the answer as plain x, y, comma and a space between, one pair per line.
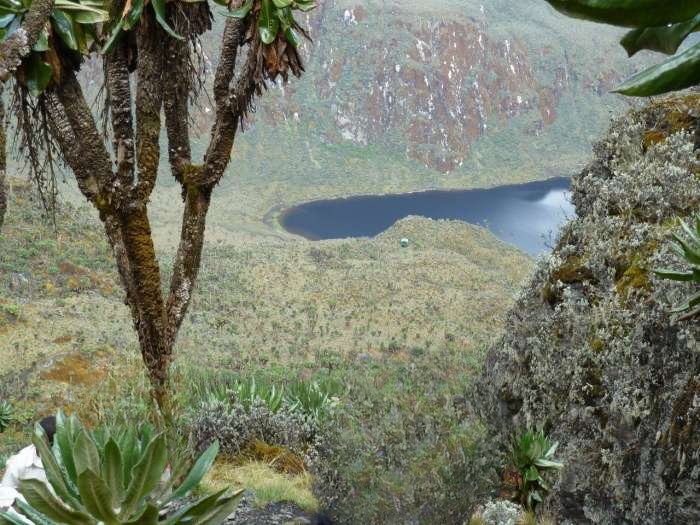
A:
264, 480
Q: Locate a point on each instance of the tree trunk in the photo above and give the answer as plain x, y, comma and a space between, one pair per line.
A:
3, 162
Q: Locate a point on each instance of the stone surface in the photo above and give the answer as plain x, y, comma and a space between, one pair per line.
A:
591, 353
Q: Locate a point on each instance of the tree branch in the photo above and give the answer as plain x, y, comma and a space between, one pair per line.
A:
75, 131
230, 110
232, 39
188, 258
20, 43
119, 100
176, 95
3, 160
150, 39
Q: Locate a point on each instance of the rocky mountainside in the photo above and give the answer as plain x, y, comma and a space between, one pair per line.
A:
439, 93
590, 352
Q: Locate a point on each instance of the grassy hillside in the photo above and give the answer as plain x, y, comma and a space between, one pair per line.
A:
401, 330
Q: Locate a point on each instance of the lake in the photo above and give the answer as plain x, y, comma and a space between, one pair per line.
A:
525, 215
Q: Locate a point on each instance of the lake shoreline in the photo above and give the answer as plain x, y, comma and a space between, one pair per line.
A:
370, 214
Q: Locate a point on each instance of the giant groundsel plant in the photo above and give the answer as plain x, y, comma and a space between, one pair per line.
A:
656, 25
113, 478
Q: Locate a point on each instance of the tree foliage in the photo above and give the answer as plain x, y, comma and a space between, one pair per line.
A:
656, 25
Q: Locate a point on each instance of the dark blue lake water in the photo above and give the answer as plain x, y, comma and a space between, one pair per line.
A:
525, 215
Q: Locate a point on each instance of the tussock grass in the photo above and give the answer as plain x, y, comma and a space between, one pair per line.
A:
268, 484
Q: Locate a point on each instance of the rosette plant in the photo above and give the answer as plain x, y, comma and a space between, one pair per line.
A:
687, 248
533, 455
153, 69
656, 25
114, 478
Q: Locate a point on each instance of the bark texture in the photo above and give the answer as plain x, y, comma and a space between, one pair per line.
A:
3, 162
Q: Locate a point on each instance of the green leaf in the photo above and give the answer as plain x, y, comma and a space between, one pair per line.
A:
38, 496
532, 474
35, 517
629, 13
109, 45
90, 17
692, 234
664, 39
242, 11
678, 72
207, 509
42, 43
693, 301
85, 454
134, 15
199, 470
546, 463
39, 74
146, 474
96, 496
292, 36
63, 445
6, 18
83, 13
280, 4
159, 9
690, 253
112, 471
305, 6
63, 25
268, 24
148, 517
221, 511
673, 275
52, 469
11, 519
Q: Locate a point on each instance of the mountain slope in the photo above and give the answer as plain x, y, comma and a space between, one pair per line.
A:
409, 95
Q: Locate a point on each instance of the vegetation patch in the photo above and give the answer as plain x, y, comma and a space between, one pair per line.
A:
266, 482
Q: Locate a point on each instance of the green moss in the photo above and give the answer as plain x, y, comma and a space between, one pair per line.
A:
634, 278
597, 345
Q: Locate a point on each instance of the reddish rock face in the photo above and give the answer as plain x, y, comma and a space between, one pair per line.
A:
430, 86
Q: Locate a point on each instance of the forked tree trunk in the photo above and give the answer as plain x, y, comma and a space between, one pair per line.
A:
121, 195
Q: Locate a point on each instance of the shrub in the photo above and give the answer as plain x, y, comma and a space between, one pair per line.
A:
237, 427
689, 250
533, 454
402, 468
113, 478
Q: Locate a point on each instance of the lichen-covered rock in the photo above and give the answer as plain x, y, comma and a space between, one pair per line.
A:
501, 512
591, 353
